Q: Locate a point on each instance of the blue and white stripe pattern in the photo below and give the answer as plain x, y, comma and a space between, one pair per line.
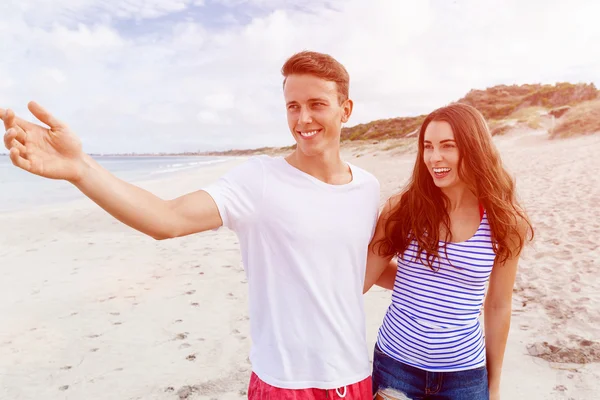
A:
433, 321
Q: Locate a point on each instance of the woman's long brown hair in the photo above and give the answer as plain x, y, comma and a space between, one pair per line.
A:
421, 208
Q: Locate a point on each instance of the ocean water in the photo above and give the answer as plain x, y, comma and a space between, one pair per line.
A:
22, 190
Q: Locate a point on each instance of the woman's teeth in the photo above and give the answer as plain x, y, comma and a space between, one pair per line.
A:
441, 170
309, 133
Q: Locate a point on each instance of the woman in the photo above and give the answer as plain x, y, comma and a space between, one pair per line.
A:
455, 228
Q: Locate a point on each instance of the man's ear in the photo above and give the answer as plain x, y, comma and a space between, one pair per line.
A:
347, 110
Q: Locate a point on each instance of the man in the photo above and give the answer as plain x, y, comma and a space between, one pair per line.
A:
304, 224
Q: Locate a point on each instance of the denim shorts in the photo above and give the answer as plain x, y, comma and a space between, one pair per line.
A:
400, 381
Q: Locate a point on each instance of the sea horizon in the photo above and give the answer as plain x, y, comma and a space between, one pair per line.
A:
22, 190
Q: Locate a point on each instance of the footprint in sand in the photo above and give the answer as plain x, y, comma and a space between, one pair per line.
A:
195, 304
190, 292
185, 392
191, 357
181, 336
117, 323
226, 266
63, 388
563, 255
66, 367
115, 313
178, 321
185, 346
237, 333
93, 336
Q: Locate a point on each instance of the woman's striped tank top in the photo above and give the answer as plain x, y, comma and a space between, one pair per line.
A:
433, 321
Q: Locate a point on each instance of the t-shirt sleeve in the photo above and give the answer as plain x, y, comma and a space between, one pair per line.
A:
238, 193
376, 202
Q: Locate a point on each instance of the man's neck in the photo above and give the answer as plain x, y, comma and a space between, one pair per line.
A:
327, 167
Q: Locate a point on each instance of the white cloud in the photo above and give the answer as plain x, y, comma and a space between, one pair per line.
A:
44, 11
186, 85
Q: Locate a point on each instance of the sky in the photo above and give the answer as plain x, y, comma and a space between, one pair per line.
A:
195, 75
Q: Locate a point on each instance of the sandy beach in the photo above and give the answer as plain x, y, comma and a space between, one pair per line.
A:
92, 309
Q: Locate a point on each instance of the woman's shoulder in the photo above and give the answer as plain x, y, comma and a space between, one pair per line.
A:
392, 203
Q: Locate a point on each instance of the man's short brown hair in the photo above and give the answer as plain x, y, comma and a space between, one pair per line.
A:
320, 65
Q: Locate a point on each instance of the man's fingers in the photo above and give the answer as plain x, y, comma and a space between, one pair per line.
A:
43, 115
19, 146
9, 136
8, 116
18, 160
15, 133
17, 121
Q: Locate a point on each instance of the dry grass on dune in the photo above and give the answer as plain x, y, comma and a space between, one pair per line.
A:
528, 117
531, 116
582, 119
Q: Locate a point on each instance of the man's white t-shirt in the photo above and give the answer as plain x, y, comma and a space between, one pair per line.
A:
304, 248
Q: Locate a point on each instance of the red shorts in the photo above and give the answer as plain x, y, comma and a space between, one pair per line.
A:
259, 390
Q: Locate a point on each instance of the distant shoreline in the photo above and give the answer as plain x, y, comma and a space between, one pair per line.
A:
505, 108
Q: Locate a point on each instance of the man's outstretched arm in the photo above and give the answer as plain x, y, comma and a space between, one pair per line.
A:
56, 153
